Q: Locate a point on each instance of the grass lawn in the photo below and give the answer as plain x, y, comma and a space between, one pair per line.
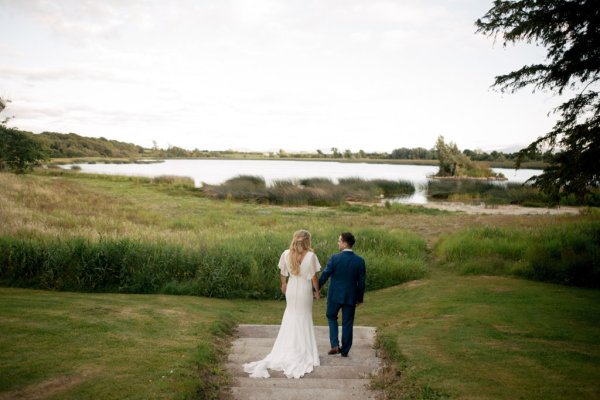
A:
460, 337
489, 337
446, 335
103, 346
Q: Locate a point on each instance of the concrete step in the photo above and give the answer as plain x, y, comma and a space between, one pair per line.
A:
301, 383
322, 343
354, 358
243, 393
320, 372
337, 378
359, 333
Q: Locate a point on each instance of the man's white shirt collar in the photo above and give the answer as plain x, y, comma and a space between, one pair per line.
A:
347, 250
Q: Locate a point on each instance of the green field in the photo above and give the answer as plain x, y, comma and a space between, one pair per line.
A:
448, 332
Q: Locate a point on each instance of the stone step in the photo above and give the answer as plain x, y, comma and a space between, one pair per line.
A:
322, 342
359, 333
336, 378
243, 393
321, 372
354, 358
301, 383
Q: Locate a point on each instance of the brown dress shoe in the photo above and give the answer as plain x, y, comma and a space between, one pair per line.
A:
334, 350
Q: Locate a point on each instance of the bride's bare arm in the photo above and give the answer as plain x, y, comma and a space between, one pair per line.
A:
283, 283
315, 282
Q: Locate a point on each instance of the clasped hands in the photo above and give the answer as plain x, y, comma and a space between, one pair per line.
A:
316, 293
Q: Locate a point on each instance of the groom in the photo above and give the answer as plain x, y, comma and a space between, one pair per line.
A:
346, 291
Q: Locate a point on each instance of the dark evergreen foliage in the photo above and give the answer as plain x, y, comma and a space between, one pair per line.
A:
570, 30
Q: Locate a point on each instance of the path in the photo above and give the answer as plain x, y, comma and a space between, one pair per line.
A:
336, 378
500, 209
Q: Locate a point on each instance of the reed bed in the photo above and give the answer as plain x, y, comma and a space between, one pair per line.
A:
310, 191
242, 266
173, 180
567, 254
477, 191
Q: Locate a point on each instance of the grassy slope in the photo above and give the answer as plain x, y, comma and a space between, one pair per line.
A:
493, 337
73, 346
468, 337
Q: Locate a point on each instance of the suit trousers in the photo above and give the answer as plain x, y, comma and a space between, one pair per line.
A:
348, 311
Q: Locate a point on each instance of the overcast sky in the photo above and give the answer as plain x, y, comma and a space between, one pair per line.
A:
266, 75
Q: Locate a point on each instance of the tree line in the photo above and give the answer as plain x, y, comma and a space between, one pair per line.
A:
71, 145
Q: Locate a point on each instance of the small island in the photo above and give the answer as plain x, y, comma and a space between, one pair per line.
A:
455, 165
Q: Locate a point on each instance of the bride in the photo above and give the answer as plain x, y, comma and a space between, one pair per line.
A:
295, 349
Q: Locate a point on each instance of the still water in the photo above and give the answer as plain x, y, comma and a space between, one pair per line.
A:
218, 171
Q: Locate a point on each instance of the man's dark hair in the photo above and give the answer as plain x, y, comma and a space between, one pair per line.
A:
348, 238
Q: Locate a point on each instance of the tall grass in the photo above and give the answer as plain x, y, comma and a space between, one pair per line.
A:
481, 191
244, 266
568, 254
308, 191
173, 180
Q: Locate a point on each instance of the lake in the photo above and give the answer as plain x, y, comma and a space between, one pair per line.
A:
217, 171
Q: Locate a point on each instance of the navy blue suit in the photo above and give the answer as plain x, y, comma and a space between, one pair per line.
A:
346, 289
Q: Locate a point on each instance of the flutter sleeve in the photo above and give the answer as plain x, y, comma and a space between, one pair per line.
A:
314, 266
283, 264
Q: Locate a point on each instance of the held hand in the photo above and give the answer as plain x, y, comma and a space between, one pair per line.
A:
317, 295
283, 287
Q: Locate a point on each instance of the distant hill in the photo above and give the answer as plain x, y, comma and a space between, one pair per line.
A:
69, 145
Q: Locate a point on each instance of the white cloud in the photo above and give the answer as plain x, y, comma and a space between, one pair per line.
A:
261, 74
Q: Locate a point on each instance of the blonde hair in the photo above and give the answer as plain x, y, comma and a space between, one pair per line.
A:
300, 244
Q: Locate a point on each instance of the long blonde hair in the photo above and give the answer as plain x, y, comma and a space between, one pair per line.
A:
300, 244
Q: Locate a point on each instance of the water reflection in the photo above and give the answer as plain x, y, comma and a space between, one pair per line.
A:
218, 171
418, 197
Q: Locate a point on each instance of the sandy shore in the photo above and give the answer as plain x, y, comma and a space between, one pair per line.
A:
500, 210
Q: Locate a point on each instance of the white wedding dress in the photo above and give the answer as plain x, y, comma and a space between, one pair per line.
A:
295, 349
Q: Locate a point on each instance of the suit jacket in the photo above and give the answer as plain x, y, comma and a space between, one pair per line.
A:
347, 272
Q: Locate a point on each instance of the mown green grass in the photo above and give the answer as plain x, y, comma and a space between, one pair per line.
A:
488, 338
449, 337
90, 346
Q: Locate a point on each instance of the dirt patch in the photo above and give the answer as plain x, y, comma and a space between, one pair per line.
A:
500, 210
417, 283
44, 389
